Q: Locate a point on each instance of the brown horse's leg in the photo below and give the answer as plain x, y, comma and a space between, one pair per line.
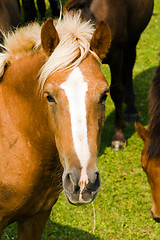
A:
41, 7
32, 228
128, 64
116, 90
29, 10
55, 8
1, 230
4, 222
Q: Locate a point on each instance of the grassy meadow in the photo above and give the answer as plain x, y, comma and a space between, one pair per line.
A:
121, 209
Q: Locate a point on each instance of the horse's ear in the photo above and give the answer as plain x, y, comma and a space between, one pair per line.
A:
49, 37
142, 132
101, 40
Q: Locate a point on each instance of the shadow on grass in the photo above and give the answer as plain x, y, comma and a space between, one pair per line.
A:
52, 231
141, 88
55, 231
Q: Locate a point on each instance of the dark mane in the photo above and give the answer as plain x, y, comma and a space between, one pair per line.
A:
154, 110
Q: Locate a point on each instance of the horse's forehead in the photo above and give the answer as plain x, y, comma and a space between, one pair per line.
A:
92, 73
89, 69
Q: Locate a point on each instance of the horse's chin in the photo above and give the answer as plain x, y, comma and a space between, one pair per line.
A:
79, 202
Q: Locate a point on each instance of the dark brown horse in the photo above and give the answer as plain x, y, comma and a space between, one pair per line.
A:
127, 20
52, 112
9, 16
151, 153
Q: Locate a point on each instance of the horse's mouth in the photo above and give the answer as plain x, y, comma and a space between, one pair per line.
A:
74, 198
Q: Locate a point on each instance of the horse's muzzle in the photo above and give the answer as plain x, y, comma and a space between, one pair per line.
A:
73, 192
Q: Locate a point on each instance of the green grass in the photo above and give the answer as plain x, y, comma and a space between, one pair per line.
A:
121, 209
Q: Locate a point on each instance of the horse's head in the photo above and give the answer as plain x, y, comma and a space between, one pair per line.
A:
151, 166
76, 103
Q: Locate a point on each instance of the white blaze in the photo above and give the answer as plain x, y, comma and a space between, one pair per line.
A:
75, 89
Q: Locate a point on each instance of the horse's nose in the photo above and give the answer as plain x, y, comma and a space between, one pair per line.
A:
77, 195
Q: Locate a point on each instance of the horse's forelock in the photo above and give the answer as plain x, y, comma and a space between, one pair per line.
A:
75, 36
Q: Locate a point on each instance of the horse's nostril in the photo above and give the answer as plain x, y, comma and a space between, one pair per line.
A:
67, 178
97, 183
68, 183
77, 188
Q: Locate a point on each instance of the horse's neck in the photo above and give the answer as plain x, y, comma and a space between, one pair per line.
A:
24, 109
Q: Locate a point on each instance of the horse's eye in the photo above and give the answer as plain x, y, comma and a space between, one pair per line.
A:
103, 97
50, 98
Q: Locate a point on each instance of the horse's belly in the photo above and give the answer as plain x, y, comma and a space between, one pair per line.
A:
127, 19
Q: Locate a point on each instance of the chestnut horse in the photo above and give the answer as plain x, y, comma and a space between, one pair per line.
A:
9, 16
52, 101
151, 153
127, 19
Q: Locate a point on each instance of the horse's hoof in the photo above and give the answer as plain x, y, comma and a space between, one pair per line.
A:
118, 145
131, 118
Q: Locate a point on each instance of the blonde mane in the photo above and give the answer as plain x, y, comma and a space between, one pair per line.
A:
16, 44
74, 34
